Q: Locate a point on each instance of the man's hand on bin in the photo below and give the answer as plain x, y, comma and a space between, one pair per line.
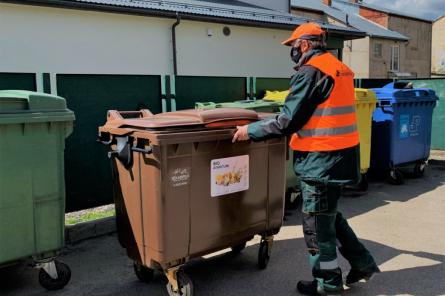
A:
241, 134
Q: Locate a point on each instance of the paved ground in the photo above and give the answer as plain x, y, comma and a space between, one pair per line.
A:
403, 226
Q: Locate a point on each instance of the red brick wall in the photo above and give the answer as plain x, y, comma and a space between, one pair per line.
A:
378, 17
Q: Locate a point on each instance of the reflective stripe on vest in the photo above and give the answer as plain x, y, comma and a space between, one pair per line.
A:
327, 131
334, 111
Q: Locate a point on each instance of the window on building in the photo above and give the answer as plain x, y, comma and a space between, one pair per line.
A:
378, 50
395, 58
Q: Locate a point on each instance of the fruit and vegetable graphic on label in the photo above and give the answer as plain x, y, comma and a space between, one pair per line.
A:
229, 178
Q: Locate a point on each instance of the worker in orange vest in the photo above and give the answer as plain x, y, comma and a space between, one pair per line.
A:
319, 113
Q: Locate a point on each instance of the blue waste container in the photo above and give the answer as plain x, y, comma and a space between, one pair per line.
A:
401, 130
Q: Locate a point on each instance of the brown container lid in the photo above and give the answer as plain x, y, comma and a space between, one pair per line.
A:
220, 117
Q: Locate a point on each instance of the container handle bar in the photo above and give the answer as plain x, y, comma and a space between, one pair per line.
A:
142, 150
106, 143
386, 111
382, 106
134, 148
105, 139
123, 150
116, 115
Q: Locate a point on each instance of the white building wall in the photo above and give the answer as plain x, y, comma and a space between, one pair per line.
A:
356, 56
40, 39
245, 52
438, 48
55, 40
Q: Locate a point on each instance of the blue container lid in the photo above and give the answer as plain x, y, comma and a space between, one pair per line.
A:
402, 91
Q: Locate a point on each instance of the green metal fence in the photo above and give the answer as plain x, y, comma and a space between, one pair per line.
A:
24, 81
191, 89
88, 175
263, 84
438, 134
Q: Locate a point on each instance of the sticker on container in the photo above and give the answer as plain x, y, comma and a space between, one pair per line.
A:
414, 127
179, 177
229, 175
410, 126
404, 126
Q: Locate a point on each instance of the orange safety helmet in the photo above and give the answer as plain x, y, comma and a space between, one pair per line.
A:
308, 31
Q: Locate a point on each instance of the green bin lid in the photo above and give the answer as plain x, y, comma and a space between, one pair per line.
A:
20, 106
18, 101
244, 104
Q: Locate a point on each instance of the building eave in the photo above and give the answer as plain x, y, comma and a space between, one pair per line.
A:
307, 9
388, 38
439, 18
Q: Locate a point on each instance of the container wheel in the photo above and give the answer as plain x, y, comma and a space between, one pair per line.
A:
143, 273
292, 199
419, 169
395, 177
263, 255
363, 185
238, 248
63, 277
185, 286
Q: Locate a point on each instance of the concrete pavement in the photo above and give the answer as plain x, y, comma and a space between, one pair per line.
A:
403, 226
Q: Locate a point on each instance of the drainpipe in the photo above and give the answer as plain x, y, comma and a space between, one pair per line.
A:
175, 62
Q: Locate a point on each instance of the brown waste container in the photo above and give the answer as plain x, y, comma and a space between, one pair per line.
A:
183, 189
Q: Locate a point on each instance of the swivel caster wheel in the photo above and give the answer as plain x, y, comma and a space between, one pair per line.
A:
54, 275
144, 274
264, 252
395, 177
363, 185
179, 284
419, 169
292, 199
185, 286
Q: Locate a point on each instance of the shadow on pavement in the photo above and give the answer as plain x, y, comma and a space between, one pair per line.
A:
380, 193
101, 268
289, 264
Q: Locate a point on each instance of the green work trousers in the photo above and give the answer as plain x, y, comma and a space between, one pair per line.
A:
325, 229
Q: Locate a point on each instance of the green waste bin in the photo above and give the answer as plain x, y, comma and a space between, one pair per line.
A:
33, 128
293, 192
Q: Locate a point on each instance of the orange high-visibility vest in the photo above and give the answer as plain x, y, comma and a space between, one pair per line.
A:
333, 125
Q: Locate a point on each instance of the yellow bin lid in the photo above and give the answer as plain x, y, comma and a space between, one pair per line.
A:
363, 95
277, 95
